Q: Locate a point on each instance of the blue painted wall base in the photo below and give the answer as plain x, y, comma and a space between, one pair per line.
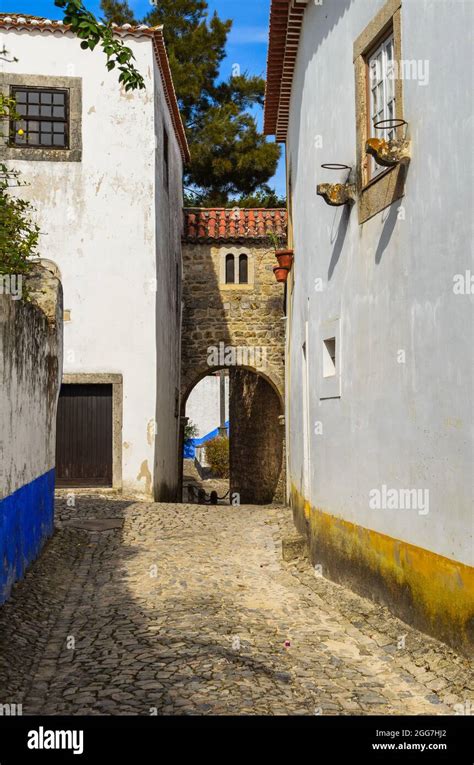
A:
26, 522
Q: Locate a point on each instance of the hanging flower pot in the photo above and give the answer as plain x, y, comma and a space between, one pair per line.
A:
285, 258
281, 273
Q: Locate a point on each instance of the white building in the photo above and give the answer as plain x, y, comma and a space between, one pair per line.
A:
380, 328
208, 404
104, 169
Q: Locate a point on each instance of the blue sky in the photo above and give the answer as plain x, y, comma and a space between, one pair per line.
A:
247, 43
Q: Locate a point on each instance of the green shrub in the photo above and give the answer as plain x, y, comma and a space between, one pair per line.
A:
190, 431
217, 455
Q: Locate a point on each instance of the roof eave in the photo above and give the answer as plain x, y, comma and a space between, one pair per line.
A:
286, 19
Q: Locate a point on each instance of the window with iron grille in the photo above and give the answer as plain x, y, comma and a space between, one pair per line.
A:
44, 118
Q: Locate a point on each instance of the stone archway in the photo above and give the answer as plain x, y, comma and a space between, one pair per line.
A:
240, 317
257, 448
257, 445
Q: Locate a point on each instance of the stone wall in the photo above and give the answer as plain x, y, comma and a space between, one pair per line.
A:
256, 439
30, 375
236, 315
246, 319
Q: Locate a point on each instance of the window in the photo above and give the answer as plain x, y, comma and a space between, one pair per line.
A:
50, 117
166, 168
229, 269
377, 54
236, 268
43, 118
382, 94
243, 269
330, 360
329, 357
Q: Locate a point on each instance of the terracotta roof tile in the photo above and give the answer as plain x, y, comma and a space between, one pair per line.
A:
207, 224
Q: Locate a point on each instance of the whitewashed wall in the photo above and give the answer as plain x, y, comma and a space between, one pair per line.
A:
389, 281
103, 223
203, 404
30, 378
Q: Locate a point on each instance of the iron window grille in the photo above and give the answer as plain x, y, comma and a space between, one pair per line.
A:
43, 118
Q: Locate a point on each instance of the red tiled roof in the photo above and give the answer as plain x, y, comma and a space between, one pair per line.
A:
40, 24
286, 19
211, 223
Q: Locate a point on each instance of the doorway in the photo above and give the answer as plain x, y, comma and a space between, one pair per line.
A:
84, 436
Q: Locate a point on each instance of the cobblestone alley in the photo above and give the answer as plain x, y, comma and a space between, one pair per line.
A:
185, 609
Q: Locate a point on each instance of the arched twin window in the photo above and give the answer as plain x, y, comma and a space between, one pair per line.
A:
230, 269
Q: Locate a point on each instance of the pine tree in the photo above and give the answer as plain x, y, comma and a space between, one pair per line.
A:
229, 157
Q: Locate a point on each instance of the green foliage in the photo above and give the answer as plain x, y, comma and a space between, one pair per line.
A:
276, 240
265, 197
92, 33
190, 431
217, 455
18, 235
229, 157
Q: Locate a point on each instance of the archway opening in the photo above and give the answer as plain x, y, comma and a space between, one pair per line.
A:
236, 410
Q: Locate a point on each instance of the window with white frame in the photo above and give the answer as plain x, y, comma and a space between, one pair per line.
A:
382, 71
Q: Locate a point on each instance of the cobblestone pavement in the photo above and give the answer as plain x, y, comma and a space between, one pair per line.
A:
192, 478
185, 609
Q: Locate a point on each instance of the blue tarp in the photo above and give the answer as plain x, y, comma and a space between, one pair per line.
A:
189, 451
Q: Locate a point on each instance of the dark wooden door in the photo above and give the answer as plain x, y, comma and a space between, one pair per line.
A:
84, 436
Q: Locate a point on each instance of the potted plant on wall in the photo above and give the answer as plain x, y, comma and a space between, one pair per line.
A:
283, 255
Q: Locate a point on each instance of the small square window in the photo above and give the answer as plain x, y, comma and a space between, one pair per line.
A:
330, 360
329, 357
40, 119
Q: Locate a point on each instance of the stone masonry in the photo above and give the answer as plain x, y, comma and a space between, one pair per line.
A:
238, 325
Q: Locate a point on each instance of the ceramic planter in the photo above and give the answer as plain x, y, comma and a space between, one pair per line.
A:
285, 258
281, 273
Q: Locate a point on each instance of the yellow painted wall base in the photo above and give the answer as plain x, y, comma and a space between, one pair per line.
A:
424, 589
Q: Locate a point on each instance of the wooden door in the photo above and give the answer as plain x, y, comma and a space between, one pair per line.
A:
84, 436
